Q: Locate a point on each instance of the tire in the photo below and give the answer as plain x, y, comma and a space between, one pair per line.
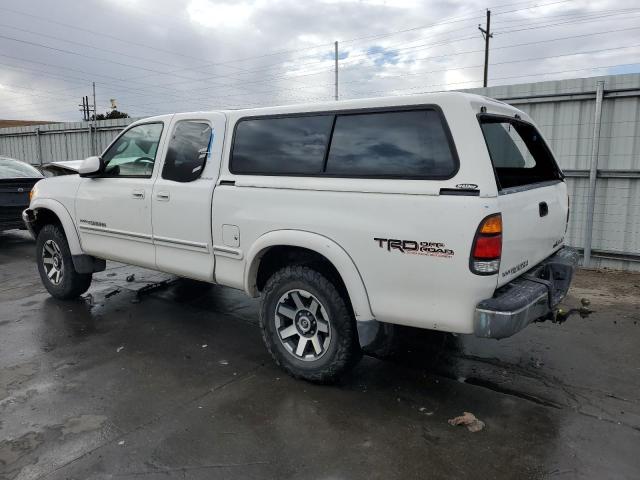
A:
335, 350
52, 253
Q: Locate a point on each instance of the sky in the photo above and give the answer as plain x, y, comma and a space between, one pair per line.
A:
163, 56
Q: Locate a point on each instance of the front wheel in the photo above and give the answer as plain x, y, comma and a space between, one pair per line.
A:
56, 267
307, 325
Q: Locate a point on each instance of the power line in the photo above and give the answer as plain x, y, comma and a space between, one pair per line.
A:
423, 58
210, 78
382, 35
496, 63
255, 56
275, 78
350, 58
436, 71
327, 97
508, 77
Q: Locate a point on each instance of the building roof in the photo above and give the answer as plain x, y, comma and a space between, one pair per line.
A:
22, 123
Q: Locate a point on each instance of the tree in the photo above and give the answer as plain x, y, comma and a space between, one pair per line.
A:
111, 114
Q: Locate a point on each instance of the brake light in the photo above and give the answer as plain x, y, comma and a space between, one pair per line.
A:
487, 246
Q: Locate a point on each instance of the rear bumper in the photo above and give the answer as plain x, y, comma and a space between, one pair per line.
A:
529, 298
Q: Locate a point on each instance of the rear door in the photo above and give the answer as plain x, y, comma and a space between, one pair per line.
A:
182, 195
532, 194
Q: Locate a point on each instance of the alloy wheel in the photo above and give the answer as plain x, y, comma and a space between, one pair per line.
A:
52, 261
303, 325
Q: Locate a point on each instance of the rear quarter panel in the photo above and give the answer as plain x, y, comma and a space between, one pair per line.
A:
431, 288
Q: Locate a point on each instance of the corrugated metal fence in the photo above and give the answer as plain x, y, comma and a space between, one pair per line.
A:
565, 111
59, 141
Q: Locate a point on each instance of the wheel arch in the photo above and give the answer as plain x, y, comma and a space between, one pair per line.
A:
334, 254
45, 210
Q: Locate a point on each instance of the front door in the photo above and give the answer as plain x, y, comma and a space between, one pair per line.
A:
113, 211
182, 195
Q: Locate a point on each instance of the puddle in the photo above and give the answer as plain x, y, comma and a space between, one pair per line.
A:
13, 450
83, 423
12, 377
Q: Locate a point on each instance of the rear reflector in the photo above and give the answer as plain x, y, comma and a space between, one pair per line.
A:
487, 246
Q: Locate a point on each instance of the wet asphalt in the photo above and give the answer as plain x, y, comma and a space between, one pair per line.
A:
134, 381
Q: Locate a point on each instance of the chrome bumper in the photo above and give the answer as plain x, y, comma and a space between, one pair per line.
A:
529, 298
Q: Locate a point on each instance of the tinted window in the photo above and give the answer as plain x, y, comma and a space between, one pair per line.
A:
10, 168
404, 144
134, 152
518, 152
188, 150
294, 145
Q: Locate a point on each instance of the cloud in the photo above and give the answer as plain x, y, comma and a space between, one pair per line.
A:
220, 15
160, 56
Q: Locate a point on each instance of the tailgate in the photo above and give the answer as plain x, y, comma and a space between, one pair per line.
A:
534, 222
532, 193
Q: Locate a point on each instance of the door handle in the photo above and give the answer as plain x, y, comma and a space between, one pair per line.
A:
138, 194
543, 208
163, 196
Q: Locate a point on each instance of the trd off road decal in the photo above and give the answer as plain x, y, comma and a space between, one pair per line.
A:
412, 247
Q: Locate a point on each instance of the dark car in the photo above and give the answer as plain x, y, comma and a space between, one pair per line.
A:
17, 178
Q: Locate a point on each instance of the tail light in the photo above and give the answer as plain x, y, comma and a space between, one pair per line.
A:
487, 246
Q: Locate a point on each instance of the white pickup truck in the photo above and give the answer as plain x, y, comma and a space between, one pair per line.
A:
443, 211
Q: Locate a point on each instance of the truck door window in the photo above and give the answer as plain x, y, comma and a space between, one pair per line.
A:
405, 144
281, 145
133, 154
188, 150
518, 152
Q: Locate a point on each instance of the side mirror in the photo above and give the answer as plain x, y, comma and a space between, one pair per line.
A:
91, 167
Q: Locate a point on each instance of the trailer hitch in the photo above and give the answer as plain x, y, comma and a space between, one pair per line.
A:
584, 311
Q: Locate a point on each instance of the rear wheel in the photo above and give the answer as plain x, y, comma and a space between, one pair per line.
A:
55, 265
307, 325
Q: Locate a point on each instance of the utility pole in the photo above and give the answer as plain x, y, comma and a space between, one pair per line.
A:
95, 120
593, 174
336, 69
85, 109
486, 33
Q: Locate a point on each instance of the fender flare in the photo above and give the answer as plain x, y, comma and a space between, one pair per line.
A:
319, 244
65, 219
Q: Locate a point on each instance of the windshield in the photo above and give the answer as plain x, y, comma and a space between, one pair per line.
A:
11, 168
